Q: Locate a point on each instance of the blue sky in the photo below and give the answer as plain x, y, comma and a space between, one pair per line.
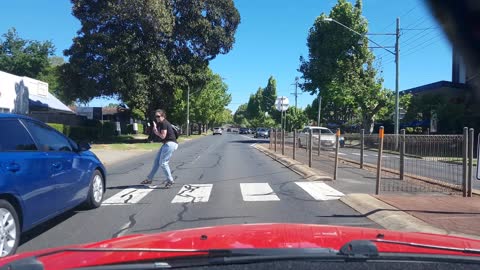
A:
270, 40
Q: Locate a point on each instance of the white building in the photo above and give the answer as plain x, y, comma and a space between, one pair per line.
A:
22, 95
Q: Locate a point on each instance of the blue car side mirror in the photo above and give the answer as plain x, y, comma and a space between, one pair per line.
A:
84, 146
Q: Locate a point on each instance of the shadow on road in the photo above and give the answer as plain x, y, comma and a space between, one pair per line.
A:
400, 210
40, 229
258, 141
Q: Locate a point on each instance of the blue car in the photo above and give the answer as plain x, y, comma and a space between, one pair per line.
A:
42, 174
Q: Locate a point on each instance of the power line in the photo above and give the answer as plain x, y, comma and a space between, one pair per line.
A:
415, 38
404, 15
417, 23
426, 44
418, 47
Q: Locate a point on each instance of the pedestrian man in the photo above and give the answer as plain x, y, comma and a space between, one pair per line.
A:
165, 131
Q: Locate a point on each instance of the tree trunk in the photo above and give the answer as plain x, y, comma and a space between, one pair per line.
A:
368, 123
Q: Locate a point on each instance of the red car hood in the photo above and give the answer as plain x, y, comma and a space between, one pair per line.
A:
245, 236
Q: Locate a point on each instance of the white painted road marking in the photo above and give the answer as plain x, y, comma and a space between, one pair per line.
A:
247, 137
254, 192
320, 191
340, 154
193, 193
128, 196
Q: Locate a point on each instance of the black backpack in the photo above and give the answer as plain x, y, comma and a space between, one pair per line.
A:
176, 131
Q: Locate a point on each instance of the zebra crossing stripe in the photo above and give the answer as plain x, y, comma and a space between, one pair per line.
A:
256, 192
320, 191
193, 193
128, 196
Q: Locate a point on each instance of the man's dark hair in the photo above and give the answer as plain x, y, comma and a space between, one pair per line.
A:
161, 112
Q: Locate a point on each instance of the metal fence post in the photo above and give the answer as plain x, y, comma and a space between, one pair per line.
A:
310, 148
283, 141
470, 161
275, 140
362, 146
270, 139
307, 143
379, 162
294, 142
402, 154
465, 161
319, 141
337, 147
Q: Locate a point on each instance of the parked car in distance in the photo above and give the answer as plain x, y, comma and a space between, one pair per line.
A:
327, 137
262, 133
217, 130
244, 131
43, 173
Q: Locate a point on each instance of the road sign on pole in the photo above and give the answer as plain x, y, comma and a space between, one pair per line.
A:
282, 103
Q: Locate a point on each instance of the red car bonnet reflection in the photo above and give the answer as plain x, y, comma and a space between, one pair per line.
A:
245, 236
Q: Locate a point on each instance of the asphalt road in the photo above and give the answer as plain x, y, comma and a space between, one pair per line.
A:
219, 180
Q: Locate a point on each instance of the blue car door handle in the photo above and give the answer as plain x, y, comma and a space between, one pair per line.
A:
57, 166
13, 167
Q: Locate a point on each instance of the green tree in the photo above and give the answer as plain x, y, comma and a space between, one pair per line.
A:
255, 104
209, 104
341, 65
240, 116
143, 50
24, 57
451, 116
51, 75
269, 95
295, 118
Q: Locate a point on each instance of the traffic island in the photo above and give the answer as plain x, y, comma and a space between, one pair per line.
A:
301, 169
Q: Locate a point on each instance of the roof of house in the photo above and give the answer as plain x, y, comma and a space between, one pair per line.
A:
433, 86
49, 101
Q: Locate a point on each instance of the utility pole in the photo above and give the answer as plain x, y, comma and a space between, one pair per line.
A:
296, 94
319, 107
397, 59
188, 110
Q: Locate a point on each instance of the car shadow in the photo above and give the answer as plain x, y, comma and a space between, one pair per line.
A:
47, 225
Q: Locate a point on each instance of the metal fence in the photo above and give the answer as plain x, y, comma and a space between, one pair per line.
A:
408, 163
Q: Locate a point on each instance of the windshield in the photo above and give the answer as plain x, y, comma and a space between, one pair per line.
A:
219, 124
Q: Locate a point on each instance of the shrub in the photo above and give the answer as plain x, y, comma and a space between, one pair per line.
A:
129, 129
58, 127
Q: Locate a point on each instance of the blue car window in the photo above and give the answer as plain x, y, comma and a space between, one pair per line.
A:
47, 138
14, 137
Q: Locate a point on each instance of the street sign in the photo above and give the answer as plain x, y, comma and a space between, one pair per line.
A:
478, 158
282, 103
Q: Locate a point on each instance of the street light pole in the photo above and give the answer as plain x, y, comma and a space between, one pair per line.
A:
397, 65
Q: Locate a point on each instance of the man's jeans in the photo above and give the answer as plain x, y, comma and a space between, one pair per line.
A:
162, 159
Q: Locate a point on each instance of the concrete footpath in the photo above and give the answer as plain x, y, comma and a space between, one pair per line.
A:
402, 211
